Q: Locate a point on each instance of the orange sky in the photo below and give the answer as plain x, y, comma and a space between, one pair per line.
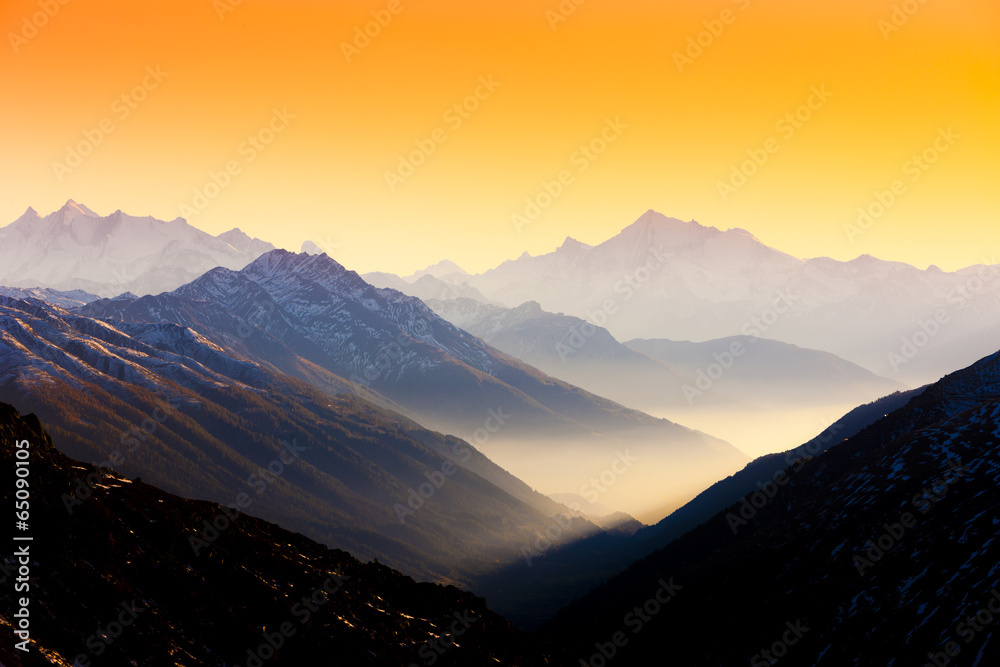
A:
680, 130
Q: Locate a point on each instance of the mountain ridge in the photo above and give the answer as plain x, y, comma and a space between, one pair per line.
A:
76, 248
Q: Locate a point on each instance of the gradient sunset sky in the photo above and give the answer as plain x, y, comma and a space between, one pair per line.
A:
680, 126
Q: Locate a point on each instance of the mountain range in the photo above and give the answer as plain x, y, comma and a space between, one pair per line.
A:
423, 432
878, 539
162, 402
663, 278
75, 248
728, 386
659, 278
297, 312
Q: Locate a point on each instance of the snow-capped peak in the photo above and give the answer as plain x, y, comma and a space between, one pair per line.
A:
71, 209
76, 248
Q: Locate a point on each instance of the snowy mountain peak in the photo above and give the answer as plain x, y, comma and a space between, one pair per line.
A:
283, 261
653, 218
76, 248
71, 210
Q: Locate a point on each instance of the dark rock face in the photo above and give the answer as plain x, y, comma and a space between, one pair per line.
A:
119, 578
883, 546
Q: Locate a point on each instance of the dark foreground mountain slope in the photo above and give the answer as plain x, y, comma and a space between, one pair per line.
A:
762, 470
565, 569
878, 551
117, 583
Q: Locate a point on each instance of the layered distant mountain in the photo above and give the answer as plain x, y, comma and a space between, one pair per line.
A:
117, 583
877, 550
445, 270
761, 395
427, 287
551, 434
662, 374
75, 248
758, 371
664, 278
67, 299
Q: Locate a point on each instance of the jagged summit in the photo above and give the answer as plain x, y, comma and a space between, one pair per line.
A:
72, 209
281, 260
76, 248
572, 245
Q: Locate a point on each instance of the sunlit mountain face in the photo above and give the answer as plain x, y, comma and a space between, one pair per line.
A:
568, 334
